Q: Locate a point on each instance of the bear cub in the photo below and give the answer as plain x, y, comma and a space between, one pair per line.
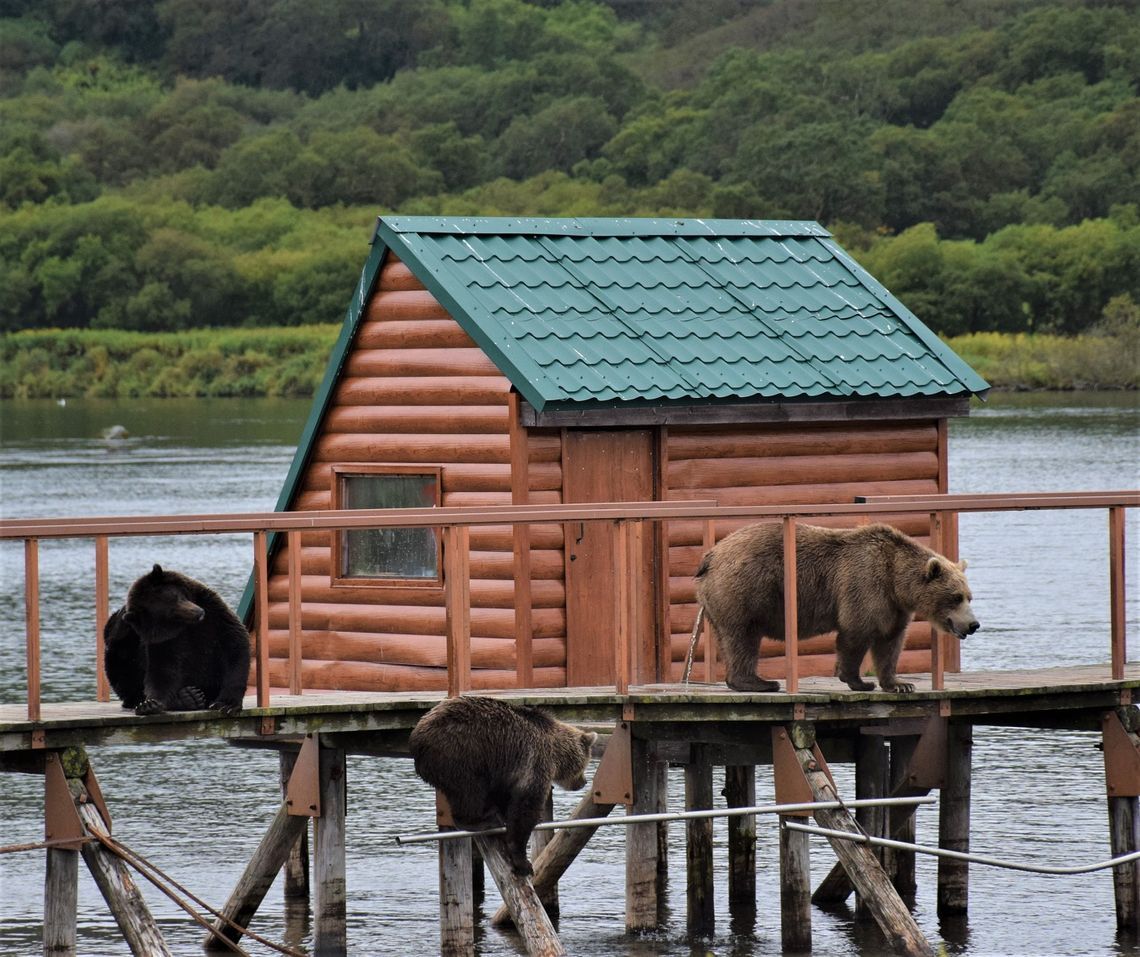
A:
176, 646
495, 762
864, 583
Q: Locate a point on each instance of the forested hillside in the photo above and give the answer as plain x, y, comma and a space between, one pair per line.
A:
191, 163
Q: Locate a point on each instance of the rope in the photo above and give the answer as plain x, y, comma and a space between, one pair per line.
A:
693, 644
145, 867
961, 855
40, 845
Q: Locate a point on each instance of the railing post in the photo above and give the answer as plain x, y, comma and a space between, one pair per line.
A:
1117, 615
710, 644
261, 618
457, 600
624, 627
296, 652
32, 623
102, 600
937, 665
791, 621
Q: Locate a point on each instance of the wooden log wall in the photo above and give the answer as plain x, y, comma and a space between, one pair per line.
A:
415, 389
785, 464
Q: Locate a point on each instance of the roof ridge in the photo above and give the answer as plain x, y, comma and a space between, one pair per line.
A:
601, 226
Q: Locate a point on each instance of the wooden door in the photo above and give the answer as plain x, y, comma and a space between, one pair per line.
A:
605, 466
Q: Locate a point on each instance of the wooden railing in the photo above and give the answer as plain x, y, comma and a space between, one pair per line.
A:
628, 520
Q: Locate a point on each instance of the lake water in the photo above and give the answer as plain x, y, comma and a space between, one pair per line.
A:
197, 809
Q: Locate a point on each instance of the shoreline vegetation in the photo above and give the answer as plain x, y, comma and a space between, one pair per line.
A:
289, 362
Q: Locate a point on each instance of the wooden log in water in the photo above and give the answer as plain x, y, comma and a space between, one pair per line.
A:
531, 920
121, 893
279, 841
864, 870
559, 853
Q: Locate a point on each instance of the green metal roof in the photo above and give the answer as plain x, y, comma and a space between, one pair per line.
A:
586, 313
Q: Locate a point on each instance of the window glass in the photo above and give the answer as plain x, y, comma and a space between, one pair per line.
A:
389, 552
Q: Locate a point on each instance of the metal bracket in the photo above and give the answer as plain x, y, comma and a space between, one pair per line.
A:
62, 824
927, 766
791, 785
1121, 757
303, 793
613, 781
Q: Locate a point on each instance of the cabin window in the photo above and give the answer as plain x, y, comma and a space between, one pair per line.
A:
379, 556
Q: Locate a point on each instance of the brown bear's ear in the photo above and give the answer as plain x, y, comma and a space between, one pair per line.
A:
933, 568
156, 572
589, 737
962, 565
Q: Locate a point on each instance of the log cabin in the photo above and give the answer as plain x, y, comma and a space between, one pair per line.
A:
488, 361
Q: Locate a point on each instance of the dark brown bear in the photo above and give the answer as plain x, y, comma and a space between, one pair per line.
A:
866, 583
176, 646
495, 762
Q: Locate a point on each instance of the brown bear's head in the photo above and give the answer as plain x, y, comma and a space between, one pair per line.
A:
573, 756
945, 600
158, 607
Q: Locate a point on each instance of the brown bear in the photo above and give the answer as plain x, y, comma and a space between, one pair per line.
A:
866, 583
495, 762
176, 646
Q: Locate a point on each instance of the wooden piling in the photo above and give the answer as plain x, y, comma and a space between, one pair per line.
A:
121, 893
539, 840
872, 780
641, 875
795, 891
61, 893
530, 919
700, 900
263, 867
296, 889
900, 863
1120, 742
456, 904
864, 870
329, 906
740, 791
954, 822
560, 851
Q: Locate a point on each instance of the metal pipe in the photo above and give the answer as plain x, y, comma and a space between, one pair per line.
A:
960, 855
671, 816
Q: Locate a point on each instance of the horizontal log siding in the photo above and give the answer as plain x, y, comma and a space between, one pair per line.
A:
415, 389
794, 464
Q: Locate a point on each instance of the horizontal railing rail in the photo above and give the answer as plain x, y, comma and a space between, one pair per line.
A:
628, 519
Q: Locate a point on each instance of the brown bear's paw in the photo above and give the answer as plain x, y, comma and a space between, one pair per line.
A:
521, 866
150, 706
752, 683
190, 698
858, 684
228, 708
899, 687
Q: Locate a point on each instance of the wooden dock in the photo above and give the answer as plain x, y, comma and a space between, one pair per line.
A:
900, 744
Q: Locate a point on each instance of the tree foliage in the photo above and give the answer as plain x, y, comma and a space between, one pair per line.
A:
187, 163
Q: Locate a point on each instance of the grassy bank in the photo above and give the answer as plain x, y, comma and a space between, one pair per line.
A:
289, 362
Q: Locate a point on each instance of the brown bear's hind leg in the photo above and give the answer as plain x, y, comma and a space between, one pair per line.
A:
741, 657
523, 813
850, 651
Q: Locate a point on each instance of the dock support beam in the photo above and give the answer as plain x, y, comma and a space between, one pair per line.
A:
61, 893
795, 890
700, 899
865, 872
899, 863
641, 873
1121, 742
954, 822
330, 933
872, 777
740, 791
456, 903
531, 920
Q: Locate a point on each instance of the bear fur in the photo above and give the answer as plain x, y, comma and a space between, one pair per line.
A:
495, 762
865, 583
176, 646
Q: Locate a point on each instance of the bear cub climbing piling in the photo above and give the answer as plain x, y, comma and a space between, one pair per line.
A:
176, 646
865, 583
495, 762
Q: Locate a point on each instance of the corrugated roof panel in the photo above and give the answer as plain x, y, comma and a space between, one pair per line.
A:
639, 310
